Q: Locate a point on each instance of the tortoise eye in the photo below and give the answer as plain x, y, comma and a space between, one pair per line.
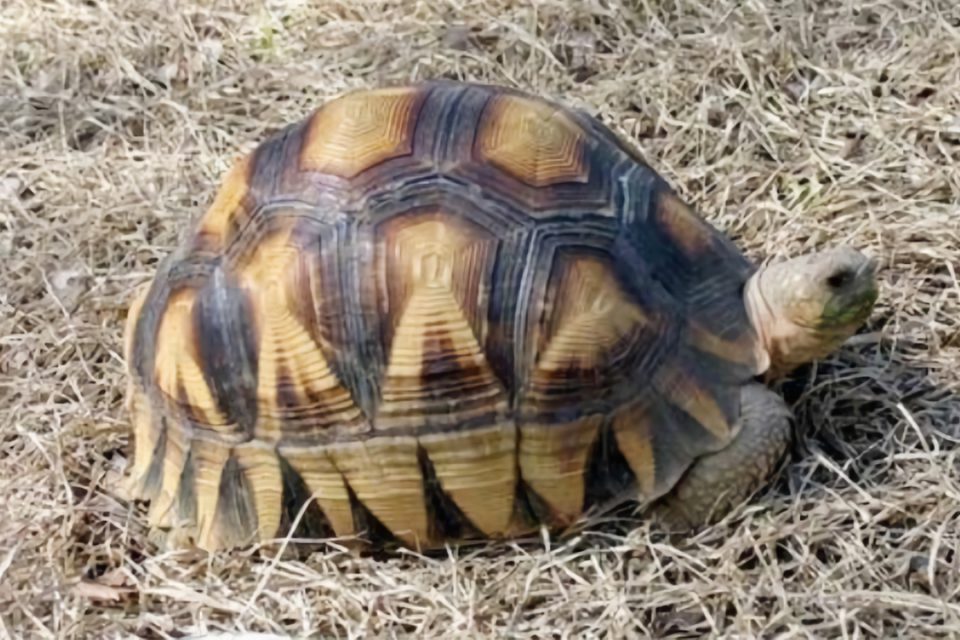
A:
840, 278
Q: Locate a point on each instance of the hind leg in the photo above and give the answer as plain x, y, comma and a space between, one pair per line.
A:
717, 482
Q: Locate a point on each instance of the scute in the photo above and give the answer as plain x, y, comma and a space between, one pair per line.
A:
353, 133
532, 141
436, 311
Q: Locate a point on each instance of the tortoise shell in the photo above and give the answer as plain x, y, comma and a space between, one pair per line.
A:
443, 311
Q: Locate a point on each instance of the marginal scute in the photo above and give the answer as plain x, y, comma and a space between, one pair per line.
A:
215, 225
633, 430
325, 483
534, 142
553, 462
177, 368
384, 473
209, 459
356, 131
146, 433
477, 469
685, 392
134, 310
261, 469
163, 508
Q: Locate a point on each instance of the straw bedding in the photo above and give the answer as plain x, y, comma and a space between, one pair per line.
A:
791, 124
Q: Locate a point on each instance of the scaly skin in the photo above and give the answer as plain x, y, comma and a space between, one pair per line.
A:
717, 482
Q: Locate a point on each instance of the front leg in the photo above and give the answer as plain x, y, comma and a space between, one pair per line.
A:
716, 483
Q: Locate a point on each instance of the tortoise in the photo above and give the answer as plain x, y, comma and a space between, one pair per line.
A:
442, 312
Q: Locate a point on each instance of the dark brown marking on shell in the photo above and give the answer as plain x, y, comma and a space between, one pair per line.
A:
462, 110
227, 346
355, 325
178, 366
694, 263
682, 225
609, 478
153, 478
186, 500
288, 401
313, 524
447, 521
236, 514
523, 517
531, 509
447, 397
182, 401
366, 525
506, 300
315, 416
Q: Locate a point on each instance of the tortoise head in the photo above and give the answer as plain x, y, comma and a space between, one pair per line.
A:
806, 307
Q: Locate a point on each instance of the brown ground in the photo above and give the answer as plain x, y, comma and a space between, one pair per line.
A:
791, 128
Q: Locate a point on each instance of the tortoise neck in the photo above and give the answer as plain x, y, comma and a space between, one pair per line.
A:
762, 318
784, 344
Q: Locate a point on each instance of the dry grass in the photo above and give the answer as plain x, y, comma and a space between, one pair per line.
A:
790, 127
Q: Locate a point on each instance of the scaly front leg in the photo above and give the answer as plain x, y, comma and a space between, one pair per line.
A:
717, 482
